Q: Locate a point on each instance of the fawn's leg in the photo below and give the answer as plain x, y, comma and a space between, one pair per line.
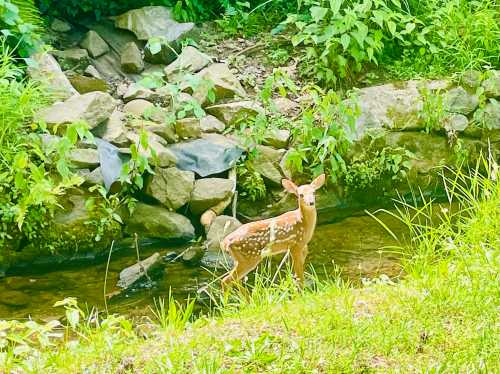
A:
298, 259
241, 268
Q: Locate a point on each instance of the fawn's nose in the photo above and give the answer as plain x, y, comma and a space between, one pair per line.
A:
311, 203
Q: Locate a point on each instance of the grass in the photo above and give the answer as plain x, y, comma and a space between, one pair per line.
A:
442, 318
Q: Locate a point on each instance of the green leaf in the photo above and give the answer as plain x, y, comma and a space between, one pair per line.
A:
392, 27
345, 40
318, 13
335, 6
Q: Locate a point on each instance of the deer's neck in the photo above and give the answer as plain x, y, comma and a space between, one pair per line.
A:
308, 217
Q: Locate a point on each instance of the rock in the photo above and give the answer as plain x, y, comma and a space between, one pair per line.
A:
85, 84
165, 131
170, 257
91, 71
84, 158
93, 108
157, 153
234, 113
190, 60
136, 91
92, 177
456, 123
277, 138
395, 106
171, 187
491, 84
152, 22
47, 71
209, 192
457, 100
286, 106
188, 128
49, 141
138, 107
14, 298
131, 59
73, 59
58, 25
114, 130
94, 44
140, 270
225, 84
488, 119
211, 124
155, 22
219, 229
193, 255
267, 163
157, 222
471, 79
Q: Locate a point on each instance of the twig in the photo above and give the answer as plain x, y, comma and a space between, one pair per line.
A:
106, 277
248, 49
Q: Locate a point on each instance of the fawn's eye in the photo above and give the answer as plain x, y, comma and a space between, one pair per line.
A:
301, 195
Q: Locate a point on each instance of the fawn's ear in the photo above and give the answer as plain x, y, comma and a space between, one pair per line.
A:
289, 186
318, 182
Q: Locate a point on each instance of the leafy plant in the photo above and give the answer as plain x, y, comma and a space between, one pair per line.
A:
433, 113
19, 24
342, 37
250, 182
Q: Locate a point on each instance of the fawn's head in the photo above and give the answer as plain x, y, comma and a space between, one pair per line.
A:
305, 193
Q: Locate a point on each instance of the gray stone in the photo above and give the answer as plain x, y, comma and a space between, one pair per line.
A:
93, 108
491, 84
456, 123
138, 107
488, 119
267, 163
286, 106
277, 138
47, 71
73, 58
92, 177
49, 141
221, 227
153, 22
165, 131
157, 222
225, 84
471, 79
131, 275
457, 100
91, 71
94, 44
86, 84
114, 130
211, 124
131, 59
84, 158
136, 91
58, 25
171, 187
190, 60
233, 113
188, 128
209, 192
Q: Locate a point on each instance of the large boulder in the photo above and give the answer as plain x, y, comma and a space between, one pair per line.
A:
267, 163
84, 158
93, 108
131, 59
488, 119
458, 100
209, 192
221, 227
395, 106
491, 84
157, 222
114, 130
225, 84
234, 113
137, 107
171, 187
211, 124
47, 71
190, 60
59, 25
85, 84
155, 22
76, 59
94, 44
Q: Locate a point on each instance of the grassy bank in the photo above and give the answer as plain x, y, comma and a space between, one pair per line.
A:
443, 317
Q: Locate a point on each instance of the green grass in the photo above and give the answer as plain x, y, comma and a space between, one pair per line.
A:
442, 318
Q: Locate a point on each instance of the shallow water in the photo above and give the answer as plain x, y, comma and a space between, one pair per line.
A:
355, 246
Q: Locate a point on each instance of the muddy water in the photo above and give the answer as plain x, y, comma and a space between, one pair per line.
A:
355, 246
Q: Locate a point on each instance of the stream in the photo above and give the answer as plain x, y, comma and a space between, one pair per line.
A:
354, 245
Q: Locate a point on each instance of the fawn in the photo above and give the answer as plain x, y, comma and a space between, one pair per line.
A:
291, 231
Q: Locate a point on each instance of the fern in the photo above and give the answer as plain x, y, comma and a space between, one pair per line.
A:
29, 12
